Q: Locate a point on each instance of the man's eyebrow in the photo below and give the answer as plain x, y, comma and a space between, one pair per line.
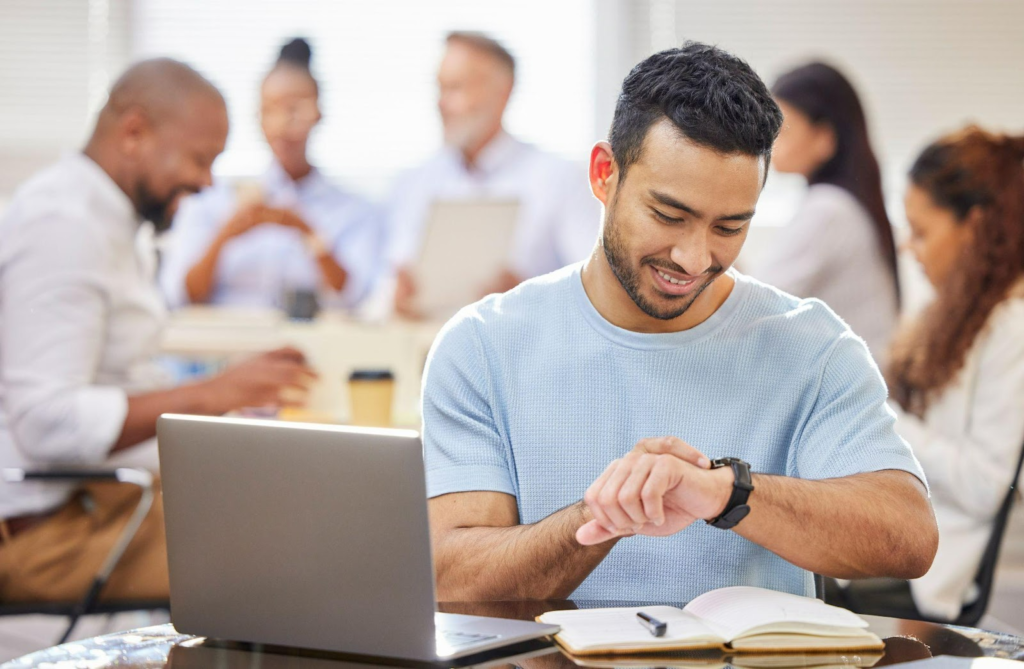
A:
670, 201
742, 216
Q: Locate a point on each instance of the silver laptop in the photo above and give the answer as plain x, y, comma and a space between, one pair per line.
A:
310, 536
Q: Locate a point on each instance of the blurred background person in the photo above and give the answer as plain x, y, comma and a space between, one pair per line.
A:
294, 231
80, 324
956, 375
839, 247
558, 217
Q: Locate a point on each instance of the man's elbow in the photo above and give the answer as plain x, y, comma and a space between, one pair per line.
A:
919, 545
45, 436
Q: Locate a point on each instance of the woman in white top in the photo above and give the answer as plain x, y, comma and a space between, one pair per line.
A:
956, 374
839, 247
295, 231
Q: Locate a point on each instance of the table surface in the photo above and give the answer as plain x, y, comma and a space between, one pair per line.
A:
162, 646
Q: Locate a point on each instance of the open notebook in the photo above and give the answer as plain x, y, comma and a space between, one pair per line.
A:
739, 619
703, 659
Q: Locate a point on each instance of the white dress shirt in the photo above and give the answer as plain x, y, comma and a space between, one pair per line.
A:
80, 319
830, 251
257, 268
558, 216
968, 444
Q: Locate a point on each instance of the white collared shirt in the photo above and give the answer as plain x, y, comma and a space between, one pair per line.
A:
968, 444
257, 268
558, 220
80, 320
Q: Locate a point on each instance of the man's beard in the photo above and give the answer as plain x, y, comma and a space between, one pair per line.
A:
158, 211
467, 132
630, 277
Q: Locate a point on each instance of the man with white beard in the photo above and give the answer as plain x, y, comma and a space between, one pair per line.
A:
558, 217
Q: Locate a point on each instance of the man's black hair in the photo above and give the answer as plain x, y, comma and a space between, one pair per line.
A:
712, 97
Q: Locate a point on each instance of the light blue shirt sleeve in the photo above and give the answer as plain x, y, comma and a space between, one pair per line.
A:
463, 446
849, 429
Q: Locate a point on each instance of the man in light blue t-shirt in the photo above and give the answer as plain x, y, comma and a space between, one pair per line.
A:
657, 358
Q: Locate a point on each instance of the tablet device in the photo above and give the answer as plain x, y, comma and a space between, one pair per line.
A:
465, 248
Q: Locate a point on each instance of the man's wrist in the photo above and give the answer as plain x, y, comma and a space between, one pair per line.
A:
583, 515
205, 399
723, 480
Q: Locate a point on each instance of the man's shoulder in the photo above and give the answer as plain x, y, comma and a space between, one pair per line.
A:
799, 322
544, 161
50, 201
52, 212
533, 304
426, 170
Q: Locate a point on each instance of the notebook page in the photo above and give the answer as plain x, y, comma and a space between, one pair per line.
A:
618, 627
733, 611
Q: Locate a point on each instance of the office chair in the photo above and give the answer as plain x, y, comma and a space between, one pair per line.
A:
973, 612
89, 603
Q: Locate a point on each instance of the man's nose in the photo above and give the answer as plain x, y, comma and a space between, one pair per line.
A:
692, 252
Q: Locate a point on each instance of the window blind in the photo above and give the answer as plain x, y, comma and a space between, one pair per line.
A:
376, 63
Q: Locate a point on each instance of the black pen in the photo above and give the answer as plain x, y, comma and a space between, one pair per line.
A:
653, 625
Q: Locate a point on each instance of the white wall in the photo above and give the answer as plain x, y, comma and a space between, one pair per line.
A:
56, 61
922, 66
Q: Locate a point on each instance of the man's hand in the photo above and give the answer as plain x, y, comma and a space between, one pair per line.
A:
657, 489
405, 296
276, 378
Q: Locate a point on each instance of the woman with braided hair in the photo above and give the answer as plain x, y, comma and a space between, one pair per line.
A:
956, 372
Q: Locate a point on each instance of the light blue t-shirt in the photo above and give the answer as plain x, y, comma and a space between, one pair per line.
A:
533, 393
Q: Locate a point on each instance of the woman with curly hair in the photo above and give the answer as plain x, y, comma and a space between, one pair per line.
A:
956, 373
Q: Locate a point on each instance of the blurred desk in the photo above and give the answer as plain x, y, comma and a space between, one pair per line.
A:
162, 646
334, 345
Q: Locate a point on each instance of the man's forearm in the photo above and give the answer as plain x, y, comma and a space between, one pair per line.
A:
876, 524
143, 410
538, 561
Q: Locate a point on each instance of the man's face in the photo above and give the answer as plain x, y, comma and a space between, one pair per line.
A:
473, 89
678, 220
173, 158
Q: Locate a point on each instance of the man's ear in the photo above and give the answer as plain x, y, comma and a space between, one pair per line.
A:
604, 172
133, 127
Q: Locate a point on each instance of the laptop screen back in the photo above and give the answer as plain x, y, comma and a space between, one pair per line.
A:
298, 535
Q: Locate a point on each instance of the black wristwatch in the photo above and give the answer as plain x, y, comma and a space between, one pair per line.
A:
736, 509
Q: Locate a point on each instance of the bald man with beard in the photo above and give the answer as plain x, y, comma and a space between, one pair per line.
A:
80, 320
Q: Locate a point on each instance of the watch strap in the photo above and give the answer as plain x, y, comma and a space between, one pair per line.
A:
736, 509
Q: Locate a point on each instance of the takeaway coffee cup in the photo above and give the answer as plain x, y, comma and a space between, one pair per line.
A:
371, 392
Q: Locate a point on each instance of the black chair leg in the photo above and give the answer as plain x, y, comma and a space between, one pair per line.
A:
83, 607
